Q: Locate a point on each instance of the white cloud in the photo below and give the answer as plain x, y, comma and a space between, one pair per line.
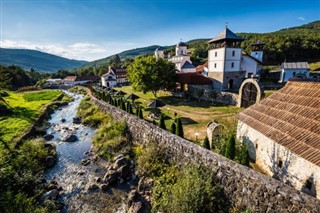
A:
301, 18
80, 51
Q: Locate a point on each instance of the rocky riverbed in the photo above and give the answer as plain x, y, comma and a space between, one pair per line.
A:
81, 181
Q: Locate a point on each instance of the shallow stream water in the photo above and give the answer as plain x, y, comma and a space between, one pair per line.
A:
70, 174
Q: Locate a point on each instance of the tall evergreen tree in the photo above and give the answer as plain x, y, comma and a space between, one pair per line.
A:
244, 155
206, 143
179, 130
230, 151
173, 128
140, 113
162, 123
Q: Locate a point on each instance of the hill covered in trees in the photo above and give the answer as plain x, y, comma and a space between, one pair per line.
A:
300, 43
36, 60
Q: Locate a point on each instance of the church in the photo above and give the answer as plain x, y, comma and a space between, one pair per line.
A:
181, 59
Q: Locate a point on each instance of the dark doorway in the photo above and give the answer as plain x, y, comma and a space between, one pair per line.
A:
249, 95
230, 84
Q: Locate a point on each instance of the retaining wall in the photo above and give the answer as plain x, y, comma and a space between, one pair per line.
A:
243, 187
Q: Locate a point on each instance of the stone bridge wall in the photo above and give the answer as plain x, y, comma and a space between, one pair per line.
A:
244, 187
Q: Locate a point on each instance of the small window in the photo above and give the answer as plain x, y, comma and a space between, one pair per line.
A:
215, 54
280, 163
256, 53
232, 64
215, 65
308, 184
233, 52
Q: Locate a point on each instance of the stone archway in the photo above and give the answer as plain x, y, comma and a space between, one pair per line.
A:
251, 92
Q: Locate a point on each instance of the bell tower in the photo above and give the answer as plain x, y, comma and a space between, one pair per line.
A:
257, 50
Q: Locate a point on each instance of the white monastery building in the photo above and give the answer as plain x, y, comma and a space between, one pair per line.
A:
114, 77
294, 70
283, 134
181, 59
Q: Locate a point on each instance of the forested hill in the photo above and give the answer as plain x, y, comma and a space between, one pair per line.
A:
39, 61
300, 43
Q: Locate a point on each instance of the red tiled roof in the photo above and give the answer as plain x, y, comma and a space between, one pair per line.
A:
290, 117
192, 78
70, 78
200, 68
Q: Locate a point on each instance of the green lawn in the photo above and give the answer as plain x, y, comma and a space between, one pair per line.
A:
26, 108
195, 115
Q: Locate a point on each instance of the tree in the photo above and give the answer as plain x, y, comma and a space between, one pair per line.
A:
162, 123
206, 143
179, 130
148, 74
140, 113
244, 154
173, 128
230, 151
199, 93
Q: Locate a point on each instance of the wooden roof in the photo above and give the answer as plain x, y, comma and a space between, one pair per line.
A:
290, 117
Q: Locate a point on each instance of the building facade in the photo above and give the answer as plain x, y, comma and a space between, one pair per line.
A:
294, 70
114, 77
283, 135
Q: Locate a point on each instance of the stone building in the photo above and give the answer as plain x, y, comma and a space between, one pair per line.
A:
228, 65
283, 135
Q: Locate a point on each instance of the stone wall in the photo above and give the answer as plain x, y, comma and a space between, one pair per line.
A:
243, 187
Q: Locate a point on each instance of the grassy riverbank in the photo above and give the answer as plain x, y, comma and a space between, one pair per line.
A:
26, 107
21, 167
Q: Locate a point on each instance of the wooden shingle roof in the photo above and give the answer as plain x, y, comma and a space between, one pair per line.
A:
291, 118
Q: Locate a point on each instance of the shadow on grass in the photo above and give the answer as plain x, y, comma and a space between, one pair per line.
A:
187, 121
176, 101
23, 113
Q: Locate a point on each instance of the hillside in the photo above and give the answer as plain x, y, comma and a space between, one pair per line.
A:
39, 61
301, 43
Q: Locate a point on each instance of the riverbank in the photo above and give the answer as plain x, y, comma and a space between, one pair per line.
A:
23, 163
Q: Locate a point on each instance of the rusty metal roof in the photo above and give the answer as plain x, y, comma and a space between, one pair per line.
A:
291, 118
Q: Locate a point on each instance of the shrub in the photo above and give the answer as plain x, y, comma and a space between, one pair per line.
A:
244, 154
179, 131
140, 113
173, 128
206, 143
230, 151
162, 124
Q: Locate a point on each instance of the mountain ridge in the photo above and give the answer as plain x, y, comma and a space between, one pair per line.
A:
37, 60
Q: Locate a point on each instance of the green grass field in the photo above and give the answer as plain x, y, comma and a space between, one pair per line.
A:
195, 115
26, 108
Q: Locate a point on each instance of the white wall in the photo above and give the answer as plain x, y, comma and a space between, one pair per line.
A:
181, 50
249, 65
286, 74
216, 56
258, 55
295, 170
235, 59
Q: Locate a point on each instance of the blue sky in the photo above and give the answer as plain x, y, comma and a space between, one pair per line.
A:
91, 29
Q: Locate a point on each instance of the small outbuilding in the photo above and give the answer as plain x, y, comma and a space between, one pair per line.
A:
294, 70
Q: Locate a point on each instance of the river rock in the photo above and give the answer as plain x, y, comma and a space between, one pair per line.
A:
50, 195
80, 173
124, 171
76, 120
136, 207
63, 120
104, 187
48, 137
50, 161
85, 162
120, 161
52, 186
70, 138
110, 177
93, 186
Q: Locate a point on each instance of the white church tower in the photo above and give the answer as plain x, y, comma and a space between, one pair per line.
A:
257, 50
224, 61
181, 48
159, 53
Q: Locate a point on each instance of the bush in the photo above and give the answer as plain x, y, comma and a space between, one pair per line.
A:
162, 124
193, 191
230, 151
206, 143
179, 131
173, 128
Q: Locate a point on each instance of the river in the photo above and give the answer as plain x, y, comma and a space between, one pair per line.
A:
71, 175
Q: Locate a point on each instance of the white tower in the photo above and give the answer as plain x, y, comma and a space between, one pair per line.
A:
257, 50
181, 48
224, 60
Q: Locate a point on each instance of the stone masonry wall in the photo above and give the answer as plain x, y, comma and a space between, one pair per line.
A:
244, 187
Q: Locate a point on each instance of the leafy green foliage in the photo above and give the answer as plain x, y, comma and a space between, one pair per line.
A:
148, 74
244, 154
41, 96
140, 113
230, 151
173, 128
